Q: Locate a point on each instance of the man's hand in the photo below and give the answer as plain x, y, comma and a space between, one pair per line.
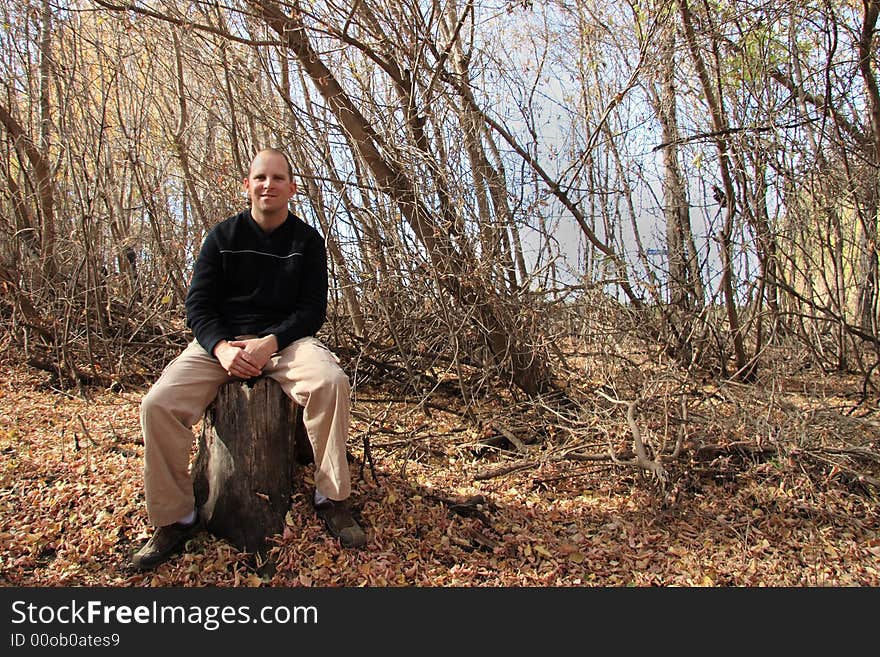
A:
245, 358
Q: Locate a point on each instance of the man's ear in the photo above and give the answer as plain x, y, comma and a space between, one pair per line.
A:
293, 188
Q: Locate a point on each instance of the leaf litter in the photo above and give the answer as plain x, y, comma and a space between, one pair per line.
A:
72, 507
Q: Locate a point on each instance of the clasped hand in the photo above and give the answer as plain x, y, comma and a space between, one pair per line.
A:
245, 358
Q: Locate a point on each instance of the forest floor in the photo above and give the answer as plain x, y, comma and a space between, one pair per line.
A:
72, 511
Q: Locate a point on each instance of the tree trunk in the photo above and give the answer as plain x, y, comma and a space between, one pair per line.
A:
245, 470
745, 369
868, 238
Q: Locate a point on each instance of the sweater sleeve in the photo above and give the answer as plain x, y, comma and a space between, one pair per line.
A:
311, 309
203, 300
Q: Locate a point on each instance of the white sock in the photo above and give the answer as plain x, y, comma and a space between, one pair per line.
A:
320, 499
188, 519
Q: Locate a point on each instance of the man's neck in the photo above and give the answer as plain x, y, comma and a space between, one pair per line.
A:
268, 222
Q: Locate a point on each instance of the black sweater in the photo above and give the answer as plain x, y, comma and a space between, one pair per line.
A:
248, 282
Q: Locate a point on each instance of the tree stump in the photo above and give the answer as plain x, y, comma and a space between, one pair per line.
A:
245, 469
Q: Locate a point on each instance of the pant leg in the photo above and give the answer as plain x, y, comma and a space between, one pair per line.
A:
175, 402
309, 373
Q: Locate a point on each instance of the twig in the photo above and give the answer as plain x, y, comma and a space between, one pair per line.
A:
505, 470
641, 458
520, 445
86, 430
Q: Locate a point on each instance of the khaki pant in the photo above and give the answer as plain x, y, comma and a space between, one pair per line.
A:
307, 372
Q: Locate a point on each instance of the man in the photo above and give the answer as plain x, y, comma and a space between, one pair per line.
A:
257, 298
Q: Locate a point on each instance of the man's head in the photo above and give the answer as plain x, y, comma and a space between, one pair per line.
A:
269, 183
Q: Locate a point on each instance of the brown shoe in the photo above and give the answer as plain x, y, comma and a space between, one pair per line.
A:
165, 542
340, 523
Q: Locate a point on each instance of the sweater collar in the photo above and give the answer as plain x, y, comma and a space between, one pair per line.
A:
259, 230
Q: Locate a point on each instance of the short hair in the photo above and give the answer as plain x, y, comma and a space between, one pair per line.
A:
274, 151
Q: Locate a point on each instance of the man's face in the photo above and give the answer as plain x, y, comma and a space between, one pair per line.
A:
268, 184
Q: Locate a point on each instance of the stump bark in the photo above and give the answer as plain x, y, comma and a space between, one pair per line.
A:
245, 469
